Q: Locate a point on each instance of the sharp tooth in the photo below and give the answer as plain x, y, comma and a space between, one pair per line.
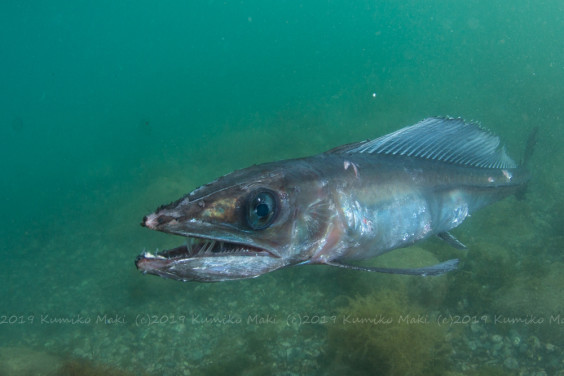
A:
210, 246
150, 255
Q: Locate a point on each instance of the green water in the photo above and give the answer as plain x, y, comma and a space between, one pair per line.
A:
109, 109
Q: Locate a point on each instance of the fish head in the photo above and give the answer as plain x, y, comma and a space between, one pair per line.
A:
242, 225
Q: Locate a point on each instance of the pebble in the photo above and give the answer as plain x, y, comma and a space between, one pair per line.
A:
516, 340
511, 363
472, 345
476, 327
497, 346
535, 342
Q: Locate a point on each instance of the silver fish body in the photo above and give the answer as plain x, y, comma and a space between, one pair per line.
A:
354, 202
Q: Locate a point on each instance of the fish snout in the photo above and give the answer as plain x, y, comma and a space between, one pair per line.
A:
156, 220
150, 221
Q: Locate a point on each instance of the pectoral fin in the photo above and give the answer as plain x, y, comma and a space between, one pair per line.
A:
451, 240
437, 269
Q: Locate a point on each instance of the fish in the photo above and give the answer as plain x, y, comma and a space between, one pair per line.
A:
352, 203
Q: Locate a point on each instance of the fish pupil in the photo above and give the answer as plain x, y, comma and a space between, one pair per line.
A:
262, 210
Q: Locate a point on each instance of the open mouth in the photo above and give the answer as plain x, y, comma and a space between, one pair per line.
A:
193, 249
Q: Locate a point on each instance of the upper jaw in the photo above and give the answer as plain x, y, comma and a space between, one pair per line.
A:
173, 220
198, 247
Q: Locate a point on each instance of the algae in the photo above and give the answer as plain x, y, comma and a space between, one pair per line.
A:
538, 299
370, 337
82, 367
484, 271
24, 361
491, 371
248, 356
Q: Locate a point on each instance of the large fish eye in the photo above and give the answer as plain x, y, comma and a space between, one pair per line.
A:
261, 210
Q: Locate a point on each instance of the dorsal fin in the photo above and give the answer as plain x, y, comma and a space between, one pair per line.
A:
441, 139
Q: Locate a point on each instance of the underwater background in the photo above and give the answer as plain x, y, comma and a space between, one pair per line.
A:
109, 109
